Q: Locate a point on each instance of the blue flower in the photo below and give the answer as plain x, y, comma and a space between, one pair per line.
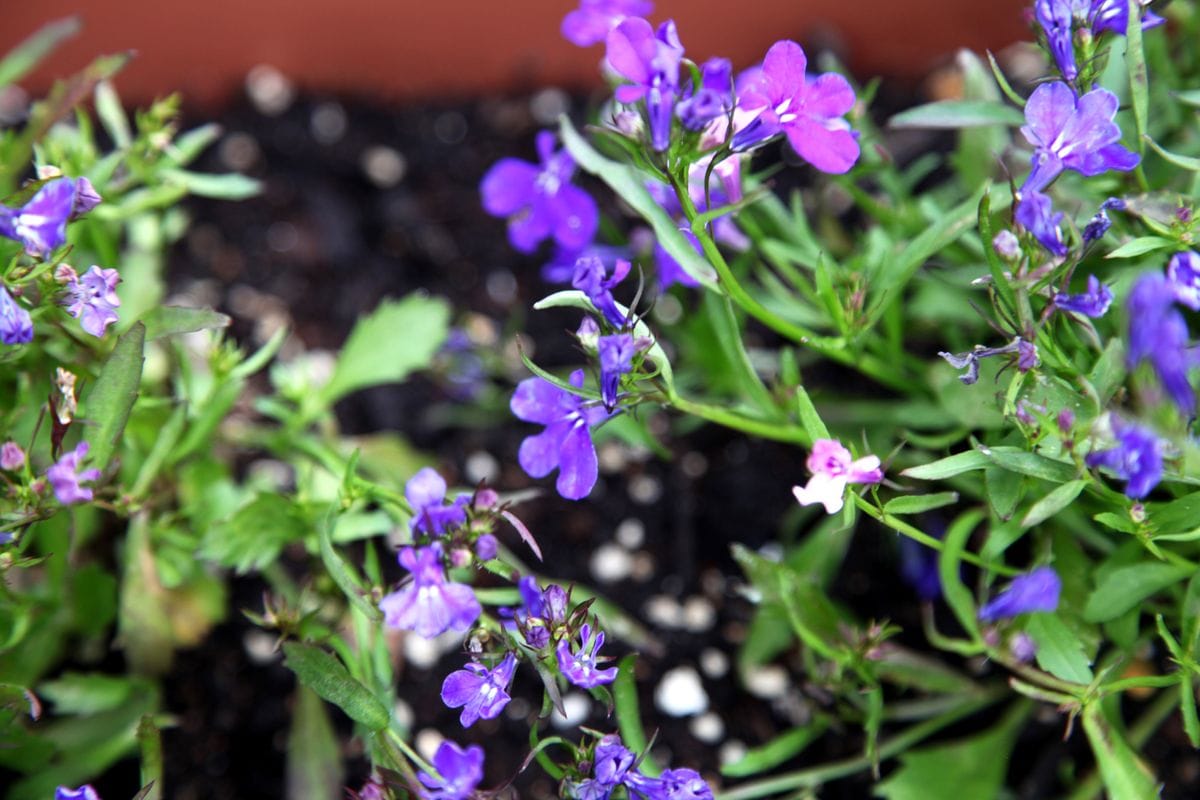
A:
1136, 458
1036, 214
1158, 333
41, 224
85, 792
1059, 19
616, 359
458, 772
594, 279
1183, 274
578, 665
1092, 303
16, 326
651, 61
429, 605
566, 443
539, 199
712, 99
1035, 591
561, 266
482, 693
426, 493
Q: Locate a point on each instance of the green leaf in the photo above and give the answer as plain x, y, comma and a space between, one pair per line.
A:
949, 466
328, 677
919, 503
1015, 459
1190, 97
1190, 163
629, 185
394, 340
629, 716
1125, 587
314, 759
1135, 66
1054, 502
1004, 490
955, 114
1059, 651
28, 54
112, 396
256, 533
342, 573
85, 692
112, 116
1176, 516
777, 751
957, 596
1124, 775
811, 421
1140, 246
230, 186
169, 320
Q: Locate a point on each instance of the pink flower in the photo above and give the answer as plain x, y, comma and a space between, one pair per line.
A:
832, 468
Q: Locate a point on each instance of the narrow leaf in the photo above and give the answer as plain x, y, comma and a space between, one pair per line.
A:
919, 503
112, 396
170, 320
955, 114
28, 54
1125, 587
327, 676
1054, 502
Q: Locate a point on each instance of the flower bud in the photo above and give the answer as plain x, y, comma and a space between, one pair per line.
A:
486, 547
12, 457
1006, 245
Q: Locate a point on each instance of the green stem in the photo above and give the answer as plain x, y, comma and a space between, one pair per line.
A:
1139, 733
760, 428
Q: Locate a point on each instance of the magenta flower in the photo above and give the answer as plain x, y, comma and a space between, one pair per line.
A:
12, 457
590, 23
1136, 458
426, 493
1092, 303
458, 772
566, 443
832, 469
428, 605
65, 477
808, 112
482, 693
616, 359
16, 326
539, 199
1035, 591
1183, 274
579, 665
93, 299
651, 61
85, 792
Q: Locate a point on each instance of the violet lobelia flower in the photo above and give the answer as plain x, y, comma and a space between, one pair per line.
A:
458, 772
541, 611
1036, 214
12, 457
1070, 132
808, 112
1158, 333
16, 326
85, 792
597, 282
650, 60
1136, 458
1035, 591
561, 266
578, 664
832, 469
93, 299
711, 99
539, 200
426, 493
429, 605
1092, 303
1183, 275
1099, 224
1026, 352
566, 443
65, 477
482, 693
611, 761
616, 359
1060, 18
41, 224
683, 784
590, 23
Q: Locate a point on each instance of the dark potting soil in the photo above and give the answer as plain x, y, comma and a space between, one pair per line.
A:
363, 202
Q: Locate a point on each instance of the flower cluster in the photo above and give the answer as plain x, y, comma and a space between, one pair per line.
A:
615, 766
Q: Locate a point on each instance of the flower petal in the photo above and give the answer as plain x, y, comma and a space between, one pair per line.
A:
577, 463
508, 186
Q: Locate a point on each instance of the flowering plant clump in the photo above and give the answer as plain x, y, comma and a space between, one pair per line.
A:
973, 370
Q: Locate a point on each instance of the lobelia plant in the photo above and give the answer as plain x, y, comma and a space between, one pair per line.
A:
814, 320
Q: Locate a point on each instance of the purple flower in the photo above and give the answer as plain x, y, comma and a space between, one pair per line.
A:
808, 112
1059, 18
651, 61
1158, 333
1183, 274
1136, 458
1072, 133
1099, 224
85, 792
590, 23
1113, 16
458, 772
1092, 303
1035, 591
1022, 647
426, 493
682, 784
561, 266
12, 457
65, 477
616, 359
93, 299
593, 279
482, 693
428, 604
486, 547
1027, 355
832, 469
540, 612
539, 200
712, 99
1027, 358
1007, 245
566, 443
579, 666
612, 760
16, 326
1035, 214
41, 224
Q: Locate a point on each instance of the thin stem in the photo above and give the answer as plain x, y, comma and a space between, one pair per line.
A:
761, 428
